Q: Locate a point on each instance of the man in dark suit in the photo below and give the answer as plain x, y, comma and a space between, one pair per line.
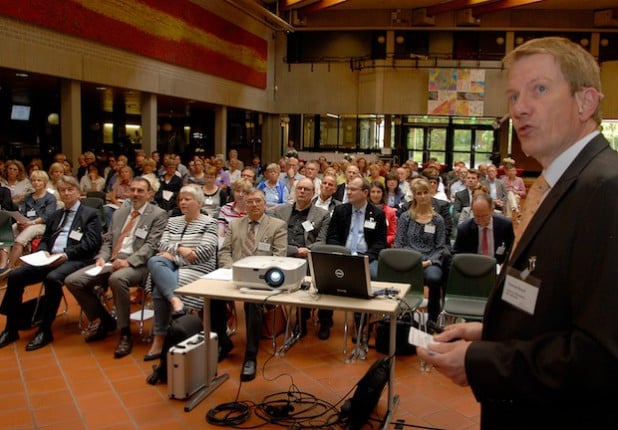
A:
72, 234
548, 346
127, 248
360, 226
470, 233
351, 172
307, 225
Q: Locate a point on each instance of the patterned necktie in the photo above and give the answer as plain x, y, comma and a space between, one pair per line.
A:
65, 218
485, 242
531, 204
248, 246
125, 232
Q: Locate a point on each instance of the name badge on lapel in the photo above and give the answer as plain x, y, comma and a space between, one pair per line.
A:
264, 246
31, 213
430, 229
141, 233
370, 224
501, 249
521, 290
76, 235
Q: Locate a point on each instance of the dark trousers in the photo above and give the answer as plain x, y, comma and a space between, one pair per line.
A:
254, 317
52, 278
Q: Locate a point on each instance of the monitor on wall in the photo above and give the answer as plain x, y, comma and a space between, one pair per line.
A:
20, 113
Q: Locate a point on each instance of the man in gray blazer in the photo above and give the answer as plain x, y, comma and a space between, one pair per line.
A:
495, 188
269, 238
133, 237
307, 225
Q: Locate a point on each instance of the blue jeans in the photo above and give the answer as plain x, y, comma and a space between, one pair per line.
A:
164, 278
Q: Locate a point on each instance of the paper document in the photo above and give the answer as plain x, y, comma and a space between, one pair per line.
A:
107, 267
419, 338
17, 216
219, 275
40, 258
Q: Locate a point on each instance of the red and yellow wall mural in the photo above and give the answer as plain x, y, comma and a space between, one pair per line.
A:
175, 31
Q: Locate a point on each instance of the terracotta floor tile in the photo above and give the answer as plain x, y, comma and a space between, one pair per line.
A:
10, 402
105, 416
56, 414
16, 418
50, 399
45, 385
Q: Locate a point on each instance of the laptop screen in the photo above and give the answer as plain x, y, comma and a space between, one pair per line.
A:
341, 274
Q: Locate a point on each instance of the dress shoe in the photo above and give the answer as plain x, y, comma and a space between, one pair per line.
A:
8, 337
102, 331
248, 370
125, 345
324, 332
39, 340
179, 313
153, 356
225, 347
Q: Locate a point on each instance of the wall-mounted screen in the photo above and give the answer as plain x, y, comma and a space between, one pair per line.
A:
20, 113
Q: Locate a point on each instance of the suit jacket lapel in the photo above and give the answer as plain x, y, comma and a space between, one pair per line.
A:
565, 182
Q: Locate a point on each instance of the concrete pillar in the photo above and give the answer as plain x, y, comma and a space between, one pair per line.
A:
71, 119
221, 130
149, 123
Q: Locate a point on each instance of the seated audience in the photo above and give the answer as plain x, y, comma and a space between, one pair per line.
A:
254, 234
377, 197
235, 209
171, 183
92, 180
422, 229
275, 191
16, 181
73, 235
134, 234
38, 206
121, 191
215, 196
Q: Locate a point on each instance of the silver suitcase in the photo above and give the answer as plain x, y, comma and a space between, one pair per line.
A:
186, 365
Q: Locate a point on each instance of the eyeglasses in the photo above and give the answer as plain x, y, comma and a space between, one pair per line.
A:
254, 201
304, 189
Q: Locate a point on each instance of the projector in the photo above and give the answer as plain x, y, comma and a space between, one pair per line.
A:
269, 272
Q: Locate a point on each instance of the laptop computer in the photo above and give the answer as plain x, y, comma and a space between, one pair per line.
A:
341, 274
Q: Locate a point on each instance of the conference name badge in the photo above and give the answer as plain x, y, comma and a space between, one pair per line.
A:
521, 290
264, 246
76, 235
141, 233
430, 229
31, 213
308, 226
370, 224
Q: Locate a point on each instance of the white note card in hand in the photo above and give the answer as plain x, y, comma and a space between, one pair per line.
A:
96, 270
419, 338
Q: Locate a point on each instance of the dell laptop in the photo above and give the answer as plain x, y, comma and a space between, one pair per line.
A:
341, 274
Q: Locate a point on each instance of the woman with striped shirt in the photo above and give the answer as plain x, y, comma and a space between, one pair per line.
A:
187, 251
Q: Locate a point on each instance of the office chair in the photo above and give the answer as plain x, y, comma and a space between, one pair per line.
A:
6, 234
96, 203
470, 280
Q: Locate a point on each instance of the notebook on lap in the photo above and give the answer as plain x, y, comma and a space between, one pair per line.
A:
341, 274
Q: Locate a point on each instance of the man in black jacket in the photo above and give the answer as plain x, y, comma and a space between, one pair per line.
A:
73, 235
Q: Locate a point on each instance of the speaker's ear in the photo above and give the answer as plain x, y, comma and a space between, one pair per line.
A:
274, 277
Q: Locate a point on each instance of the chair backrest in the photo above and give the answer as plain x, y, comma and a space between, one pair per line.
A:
471, 275
96, 203
6, 230
401, 265
324, 247
98, 194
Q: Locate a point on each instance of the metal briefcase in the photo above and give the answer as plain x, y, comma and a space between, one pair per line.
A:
186, 365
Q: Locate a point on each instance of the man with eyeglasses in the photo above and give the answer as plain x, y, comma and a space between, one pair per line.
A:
249, 174
254, 234
307, 225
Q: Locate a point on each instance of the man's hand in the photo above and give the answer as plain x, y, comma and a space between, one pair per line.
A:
119, 264
448, 359
302, 252
166, 255
100, 262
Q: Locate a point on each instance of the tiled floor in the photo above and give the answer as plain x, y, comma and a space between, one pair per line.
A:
74, 385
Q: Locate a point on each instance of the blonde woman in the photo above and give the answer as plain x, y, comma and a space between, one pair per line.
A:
422, 229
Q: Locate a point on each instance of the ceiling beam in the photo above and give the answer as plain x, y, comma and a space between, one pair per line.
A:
321, 5
295, 4
501, 5
455, 5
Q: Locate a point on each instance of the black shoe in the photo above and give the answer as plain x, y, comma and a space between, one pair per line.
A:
151, 357
102, 331
125, 345
248, 371
225, 347
39, 340
8, 337
155, 376
324, 332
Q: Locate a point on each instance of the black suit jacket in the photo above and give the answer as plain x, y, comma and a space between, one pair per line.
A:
462, 200
467, 240
87, 222
561, 361
340, 192
6, 202
339, 228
